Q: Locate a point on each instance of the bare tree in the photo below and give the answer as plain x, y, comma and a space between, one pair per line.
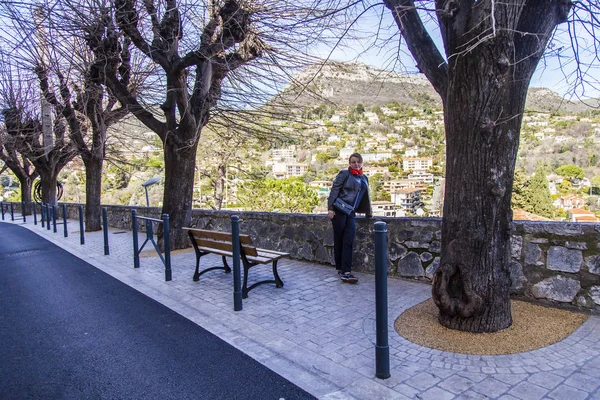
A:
207, 66
19, 166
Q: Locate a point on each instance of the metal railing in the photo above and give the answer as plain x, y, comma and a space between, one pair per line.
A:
166, 260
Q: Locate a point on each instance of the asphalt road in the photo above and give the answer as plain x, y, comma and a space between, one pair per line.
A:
70, 331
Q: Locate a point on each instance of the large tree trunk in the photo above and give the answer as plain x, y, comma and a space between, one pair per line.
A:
48, 181
93, 192
180, 163
26, 194
482, 114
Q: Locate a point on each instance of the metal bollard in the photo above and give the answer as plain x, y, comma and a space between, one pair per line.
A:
134, 229
167, 245
12, 212
2, 208
65, 230
237, 276
382, 349
105, 229
23, 212
42, 215
34, 213
54, 214
81, 227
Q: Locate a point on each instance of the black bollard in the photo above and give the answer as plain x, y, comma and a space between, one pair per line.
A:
81, 227
54, 215
134, 229
2, 208
23, 212
382, 349
34, 213
105, 229
12, 212
65, 230
167, 245
237, 276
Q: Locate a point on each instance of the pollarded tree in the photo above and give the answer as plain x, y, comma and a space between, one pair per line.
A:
203, 50
491, 51
20, 166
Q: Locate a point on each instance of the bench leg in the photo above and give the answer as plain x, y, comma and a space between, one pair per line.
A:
196, 273
278, 281
225, 265
245, 283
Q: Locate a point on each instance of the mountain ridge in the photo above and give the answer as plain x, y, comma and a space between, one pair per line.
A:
348, 84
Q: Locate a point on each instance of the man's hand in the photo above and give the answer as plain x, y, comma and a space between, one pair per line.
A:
330, 214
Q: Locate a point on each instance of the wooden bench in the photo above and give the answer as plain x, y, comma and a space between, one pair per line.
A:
215, 242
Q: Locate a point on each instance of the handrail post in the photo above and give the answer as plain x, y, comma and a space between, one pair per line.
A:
105, 229
81, 226
382, 350
12, 212
23, 212
34, 206
54, 214
237, 276
65, 229
134, 229
48, 215
167, 246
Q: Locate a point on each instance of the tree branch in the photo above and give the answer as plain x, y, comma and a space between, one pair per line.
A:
429, 60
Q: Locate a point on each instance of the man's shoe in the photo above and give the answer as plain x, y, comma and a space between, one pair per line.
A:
348, 278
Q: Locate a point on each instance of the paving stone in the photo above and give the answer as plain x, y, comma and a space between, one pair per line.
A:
582, 381
528, 391
491, 387
565, 392
422, 381
457, 384
435, 393
545, 379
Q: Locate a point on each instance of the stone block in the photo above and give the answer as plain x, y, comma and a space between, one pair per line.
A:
516, 246
593, 264
562, 259
426, 257
595, 294
431, 268
396, 251
533, 252
576, 245
410, 266
517, 278
435, 247
557, 288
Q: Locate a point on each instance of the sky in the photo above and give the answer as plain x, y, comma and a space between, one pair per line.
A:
556, 70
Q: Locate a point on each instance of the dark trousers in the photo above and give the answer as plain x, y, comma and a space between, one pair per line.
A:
344, 230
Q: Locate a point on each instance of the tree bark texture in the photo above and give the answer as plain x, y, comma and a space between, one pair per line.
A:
492, 50
48, 180
180, 163
93, 193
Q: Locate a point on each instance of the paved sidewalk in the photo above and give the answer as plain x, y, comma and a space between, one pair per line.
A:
320, 333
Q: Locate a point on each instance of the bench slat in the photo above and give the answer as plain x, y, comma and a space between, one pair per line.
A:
222, 236
259, 259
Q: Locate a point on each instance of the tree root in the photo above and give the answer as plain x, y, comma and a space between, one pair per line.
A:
452, 290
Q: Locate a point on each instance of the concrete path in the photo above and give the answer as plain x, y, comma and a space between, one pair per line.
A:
320, 333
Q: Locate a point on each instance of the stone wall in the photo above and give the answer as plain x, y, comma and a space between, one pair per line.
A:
552, 262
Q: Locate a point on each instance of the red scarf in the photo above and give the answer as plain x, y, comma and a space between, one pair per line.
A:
355, 171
